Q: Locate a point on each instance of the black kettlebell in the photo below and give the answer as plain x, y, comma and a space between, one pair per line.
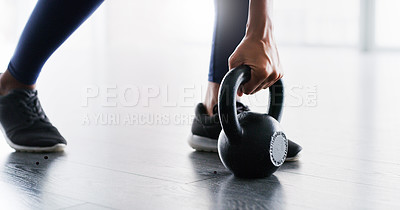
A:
250, 145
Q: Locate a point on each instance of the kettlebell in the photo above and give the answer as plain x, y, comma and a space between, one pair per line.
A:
250, 145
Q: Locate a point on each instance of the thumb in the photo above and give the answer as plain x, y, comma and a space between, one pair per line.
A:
253, 83
234, 61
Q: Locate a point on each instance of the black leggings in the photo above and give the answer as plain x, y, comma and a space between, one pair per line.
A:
53, 21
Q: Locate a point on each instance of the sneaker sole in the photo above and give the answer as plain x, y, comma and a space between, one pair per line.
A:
203, 144
19, 148
293, 159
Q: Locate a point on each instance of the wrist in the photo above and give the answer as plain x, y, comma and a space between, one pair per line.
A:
259, 31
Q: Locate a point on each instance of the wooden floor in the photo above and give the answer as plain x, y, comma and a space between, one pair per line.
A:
341, 106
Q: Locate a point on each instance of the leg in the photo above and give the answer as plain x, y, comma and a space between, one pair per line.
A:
229, 29
50, 24
23, 121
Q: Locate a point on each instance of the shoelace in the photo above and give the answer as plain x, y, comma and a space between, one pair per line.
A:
31, 107
240, 108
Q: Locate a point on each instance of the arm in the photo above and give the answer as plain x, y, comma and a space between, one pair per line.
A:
258, 49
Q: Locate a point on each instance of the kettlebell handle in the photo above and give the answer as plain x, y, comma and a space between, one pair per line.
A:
227, 100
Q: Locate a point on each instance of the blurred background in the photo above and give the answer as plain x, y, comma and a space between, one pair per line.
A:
360, 24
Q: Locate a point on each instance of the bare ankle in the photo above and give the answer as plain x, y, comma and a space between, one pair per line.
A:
8, 83
211, 97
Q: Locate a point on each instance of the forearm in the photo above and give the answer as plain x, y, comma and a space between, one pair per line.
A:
259, 22
258, 49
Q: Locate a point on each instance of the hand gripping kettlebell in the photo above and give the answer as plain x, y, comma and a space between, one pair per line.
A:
250, 145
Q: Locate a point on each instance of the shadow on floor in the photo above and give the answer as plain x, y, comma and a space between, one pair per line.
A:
27, 174
229, 192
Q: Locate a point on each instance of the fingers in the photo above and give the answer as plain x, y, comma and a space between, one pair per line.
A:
261, 86
263, 61
257, 78
267, 82
272, 79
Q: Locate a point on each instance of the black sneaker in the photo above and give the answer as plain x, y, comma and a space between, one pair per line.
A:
206, 129
25, 125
